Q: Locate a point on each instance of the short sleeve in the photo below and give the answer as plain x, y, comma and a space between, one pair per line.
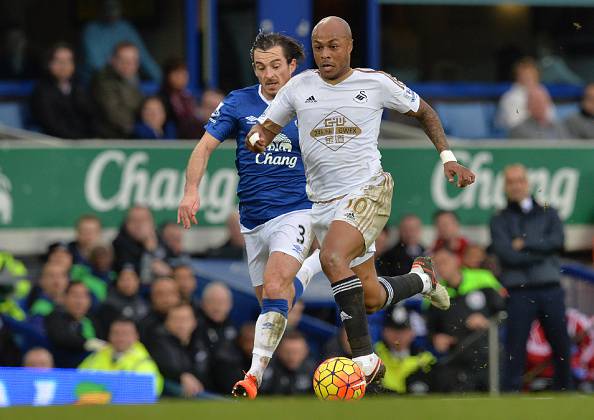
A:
281, 110
398, 96
222, 123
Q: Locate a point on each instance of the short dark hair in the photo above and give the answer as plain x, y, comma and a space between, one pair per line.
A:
123, 45
123, 320
292, 48
440, 213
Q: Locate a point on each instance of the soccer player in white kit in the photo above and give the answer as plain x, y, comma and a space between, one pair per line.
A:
339, 111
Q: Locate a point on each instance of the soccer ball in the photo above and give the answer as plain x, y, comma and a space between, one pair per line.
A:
339, 378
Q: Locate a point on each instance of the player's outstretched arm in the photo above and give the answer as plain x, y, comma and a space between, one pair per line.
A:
190, 203
261, 135
431, 124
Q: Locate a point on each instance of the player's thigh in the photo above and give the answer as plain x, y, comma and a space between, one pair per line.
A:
343, 241
368, 208
257, 255
289, 240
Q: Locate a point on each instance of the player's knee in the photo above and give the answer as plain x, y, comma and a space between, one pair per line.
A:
273, 289
332, 262
372, 304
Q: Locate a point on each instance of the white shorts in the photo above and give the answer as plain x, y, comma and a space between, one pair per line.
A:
367, 209
289, 233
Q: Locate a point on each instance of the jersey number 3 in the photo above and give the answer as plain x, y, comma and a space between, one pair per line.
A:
301, 237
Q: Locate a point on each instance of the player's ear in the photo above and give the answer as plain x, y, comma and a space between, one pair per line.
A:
351, 46
292, 65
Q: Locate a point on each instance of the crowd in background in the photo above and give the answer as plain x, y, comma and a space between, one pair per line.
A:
97, 93
137, 304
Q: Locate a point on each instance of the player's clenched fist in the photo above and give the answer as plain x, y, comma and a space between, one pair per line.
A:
255, 139
454, 169
188, 206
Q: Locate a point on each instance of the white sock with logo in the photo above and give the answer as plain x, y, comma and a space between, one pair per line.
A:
270, 328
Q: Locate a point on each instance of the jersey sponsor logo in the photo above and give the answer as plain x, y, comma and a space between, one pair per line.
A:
361, 97
335, 130
311, 100
251, 120
216, 113
281, 143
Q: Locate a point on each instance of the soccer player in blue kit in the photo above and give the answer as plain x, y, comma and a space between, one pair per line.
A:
273, 205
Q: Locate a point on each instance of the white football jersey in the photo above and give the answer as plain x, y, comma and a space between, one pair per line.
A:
339, 125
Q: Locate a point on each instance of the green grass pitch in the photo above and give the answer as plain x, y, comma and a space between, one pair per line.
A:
537, 407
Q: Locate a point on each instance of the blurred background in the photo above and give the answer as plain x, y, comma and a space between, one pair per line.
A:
102, 101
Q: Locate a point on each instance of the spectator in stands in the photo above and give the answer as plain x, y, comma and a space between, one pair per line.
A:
294, 318
215, 326
540, 124
152, 122
123, 300
290, 373
398, 260
100, 37
10, 354
137, 244
101, 261
180, 104
164, 296
581, 124
234, 248
17, 59
49, 293
474, 256
407, 365
171, 237
337, 346
447, 231
88, 236
460, 333
72, 334
513, 105
59, 105
209, 101
183, 359
527, 239
124, 352
59, 253
187, 284
38, 358
245, 344
117, 92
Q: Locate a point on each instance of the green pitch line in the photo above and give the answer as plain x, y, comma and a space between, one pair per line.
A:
538, 407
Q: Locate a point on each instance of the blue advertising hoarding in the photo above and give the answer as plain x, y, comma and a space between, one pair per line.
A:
25, 386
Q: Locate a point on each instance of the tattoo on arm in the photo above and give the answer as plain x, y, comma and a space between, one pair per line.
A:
431, 124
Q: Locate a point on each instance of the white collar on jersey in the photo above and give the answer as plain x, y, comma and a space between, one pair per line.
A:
262, 96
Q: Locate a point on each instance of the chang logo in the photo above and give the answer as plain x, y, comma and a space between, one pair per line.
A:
280, 143
5, 199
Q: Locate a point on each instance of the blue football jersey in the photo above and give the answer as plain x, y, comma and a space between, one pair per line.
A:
270, 183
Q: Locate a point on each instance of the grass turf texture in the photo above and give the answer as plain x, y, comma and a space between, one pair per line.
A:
539, 407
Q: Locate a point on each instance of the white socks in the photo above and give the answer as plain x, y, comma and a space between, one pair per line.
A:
427, 287
310, 267
270, 328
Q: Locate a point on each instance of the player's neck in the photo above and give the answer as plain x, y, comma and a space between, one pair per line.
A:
340, 78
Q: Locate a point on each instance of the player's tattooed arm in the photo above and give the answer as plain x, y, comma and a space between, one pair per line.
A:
431, 124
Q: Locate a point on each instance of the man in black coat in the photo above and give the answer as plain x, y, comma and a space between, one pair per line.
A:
71, 333
164, 296
59, 105
291, 371
398, 260
123, 300
527, 239
182, 357
137, 244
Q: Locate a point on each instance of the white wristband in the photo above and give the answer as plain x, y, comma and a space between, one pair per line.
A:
447, 156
